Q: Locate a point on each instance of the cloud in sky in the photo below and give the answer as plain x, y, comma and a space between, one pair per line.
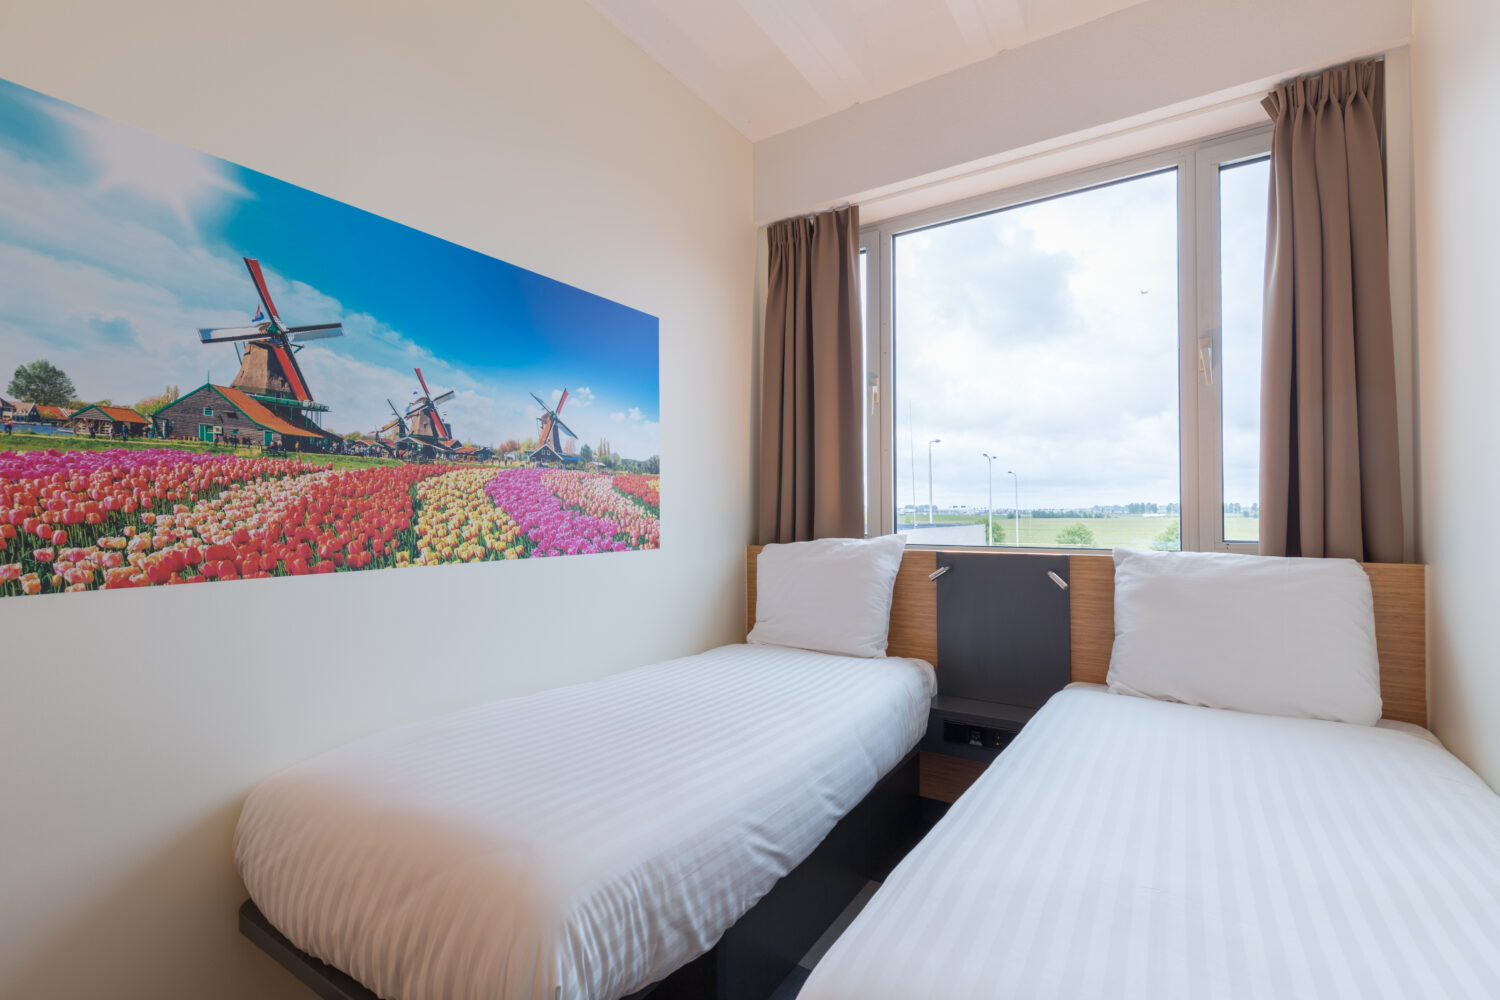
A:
116, 246
1025, 334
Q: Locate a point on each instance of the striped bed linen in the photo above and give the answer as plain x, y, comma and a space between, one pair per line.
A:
580, 843
1134, 849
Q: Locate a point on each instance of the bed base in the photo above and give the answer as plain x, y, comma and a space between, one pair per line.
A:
762, 948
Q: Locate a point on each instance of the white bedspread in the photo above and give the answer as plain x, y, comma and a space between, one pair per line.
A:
580, 843
1140, 850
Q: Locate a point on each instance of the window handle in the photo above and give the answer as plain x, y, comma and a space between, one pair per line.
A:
874, 393
1206, 357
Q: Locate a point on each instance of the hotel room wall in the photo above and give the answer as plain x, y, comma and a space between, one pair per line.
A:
132, 724
1132, 66
1456, 87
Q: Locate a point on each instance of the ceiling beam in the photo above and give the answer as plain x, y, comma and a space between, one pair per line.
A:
812, 48
970, 23
1006, 21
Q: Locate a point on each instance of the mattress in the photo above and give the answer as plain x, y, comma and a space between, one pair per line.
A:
1133, 849
580, 843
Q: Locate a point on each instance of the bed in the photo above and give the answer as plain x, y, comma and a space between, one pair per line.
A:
583, 842
1133, 848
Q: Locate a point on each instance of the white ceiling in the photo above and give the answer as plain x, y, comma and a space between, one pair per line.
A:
771, 65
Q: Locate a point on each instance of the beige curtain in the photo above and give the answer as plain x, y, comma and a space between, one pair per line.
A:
1329, 474
811, 420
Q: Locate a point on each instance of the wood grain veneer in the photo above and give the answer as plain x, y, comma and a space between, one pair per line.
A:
945, 778
1400, 592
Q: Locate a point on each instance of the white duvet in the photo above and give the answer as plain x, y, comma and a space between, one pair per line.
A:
1132, 849
580, 843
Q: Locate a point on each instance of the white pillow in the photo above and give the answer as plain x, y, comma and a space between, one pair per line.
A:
1273, 636
832, 595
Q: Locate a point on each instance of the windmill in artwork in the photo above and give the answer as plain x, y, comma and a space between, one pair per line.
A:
269, 374
398, 425
550, 431
422, 426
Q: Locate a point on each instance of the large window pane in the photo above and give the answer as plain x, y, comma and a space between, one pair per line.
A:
1242, 256
1046, 336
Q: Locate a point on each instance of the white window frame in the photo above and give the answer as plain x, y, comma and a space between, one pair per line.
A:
1199, 395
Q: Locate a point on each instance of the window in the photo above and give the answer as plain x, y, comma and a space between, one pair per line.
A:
1075, 364
208, 411
1242, 190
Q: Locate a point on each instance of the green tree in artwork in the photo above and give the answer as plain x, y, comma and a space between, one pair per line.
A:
160, 401
586, 453
1075, 534
1170, 539
41, 382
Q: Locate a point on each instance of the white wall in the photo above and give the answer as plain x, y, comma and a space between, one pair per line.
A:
1158, 58
1456, 89
132, 723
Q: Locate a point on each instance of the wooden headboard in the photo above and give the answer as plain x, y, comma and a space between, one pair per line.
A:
1400, 592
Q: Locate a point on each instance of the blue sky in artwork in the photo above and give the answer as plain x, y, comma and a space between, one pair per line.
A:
115, 246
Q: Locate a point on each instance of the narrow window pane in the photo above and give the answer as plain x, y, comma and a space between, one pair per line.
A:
864, 312
1045, 336
1242, 256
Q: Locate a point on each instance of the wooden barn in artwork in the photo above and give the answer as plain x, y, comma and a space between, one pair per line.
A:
222, 414
100, 420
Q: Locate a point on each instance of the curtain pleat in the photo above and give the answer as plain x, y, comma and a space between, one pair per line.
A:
812, 427
1330, 480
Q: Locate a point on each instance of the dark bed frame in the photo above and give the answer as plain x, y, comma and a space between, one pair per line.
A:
762, 948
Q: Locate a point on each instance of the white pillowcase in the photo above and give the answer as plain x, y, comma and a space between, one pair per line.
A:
1292, 637
832, 595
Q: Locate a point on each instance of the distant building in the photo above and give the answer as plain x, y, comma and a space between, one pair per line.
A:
221, 414
98, 420
547, 455
40, 413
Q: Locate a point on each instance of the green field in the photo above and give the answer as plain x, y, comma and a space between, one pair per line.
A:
62, 442
1108, 532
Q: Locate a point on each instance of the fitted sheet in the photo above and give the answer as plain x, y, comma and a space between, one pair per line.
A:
582, 842
1128, 848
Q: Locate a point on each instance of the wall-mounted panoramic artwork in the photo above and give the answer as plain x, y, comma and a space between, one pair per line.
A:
207, 374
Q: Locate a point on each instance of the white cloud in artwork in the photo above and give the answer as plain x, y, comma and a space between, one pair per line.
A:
584, 395
634, 436
176, 177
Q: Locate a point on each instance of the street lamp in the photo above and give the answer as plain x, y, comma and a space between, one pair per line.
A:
1018, 506
929, 476
989, 539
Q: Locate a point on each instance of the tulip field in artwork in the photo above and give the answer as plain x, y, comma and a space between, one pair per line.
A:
88, 520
